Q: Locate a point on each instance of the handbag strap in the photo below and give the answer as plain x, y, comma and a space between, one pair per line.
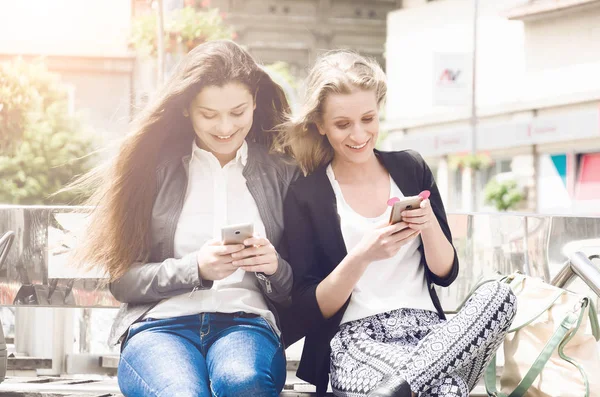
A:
490, 373
594, 320
490, 379
570, 360
551, 303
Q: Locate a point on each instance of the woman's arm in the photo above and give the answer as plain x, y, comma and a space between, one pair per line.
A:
321, 294
431, 221
333, 292
439, 253
151, 282
278, 286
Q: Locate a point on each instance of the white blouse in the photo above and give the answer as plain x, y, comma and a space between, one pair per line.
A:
216, 196
389, 284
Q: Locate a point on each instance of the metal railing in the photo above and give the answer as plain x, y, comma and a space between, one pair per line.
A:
579, 265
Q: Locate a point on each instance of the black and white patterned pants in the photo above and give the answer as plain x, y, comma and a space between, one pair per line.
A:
437, 358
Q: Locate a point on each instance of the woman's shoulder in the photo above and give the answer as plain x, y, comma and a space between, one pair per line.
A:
404, 156
305, 186
286, 167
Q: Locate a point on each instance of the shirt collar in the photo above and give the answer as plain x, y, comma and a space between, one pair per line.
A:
241, 156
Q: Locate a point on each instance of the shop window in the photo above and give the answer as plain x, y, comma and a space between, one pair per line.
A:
588, 179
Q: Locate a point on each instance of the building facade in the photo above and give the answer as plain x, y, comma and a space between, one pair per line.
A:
296, 31
537, 96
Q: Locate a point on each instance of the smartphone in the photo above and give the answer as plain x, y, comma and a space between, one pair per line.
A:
407, 203
236, 234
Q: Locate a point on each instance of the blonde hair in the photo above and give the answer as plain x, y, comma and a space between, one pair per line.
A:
338, 72
124, 192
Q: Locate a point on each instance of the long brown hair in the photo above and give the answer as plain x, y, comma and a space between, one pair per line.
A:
124, 191
337, 71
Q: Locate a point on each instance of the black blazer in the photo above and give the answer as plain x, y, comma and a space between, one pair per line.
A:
315, 246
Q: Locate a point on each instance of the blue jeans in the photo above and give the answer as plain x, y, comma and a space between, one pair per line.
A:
210, 354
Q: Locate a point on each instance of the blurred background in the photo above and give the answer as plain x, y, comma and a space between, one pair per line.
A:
506, 110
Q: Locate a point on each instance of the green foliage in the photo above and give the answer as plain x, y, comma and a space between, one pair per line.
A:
283, 69
40, 141
184, 28
504, 195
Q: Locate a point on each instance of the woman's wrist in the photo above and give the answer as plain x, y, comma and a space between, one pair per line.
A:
433, 232
357, 259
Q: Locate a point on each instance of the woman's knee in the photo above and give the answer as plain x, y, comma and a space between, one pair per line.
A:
133, 384
504, 298
245, 381
496, 290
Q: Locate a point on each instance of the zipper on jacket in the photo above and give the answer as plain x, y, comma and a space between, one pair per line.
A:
196, 288
264, 278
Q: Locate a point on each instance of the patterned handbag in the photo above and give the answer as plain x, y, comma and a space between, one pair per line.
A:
551, 348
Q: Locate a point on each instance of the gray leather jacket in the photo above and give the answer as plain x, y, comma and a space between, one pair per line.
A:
146, 284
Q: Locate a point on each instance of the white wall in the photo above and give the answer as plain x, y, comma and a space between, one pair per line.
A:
562, 54
65, 27
415, 34
563, 39
547, 61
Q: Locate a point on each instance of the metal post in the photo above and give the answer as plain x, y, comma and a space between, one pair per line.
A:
474, 173
579, 265
533, 201
526, 264
160, 43
586, 270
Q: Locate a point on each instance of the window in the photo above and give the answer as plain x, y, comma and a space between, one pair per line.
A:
588, 178
499, 167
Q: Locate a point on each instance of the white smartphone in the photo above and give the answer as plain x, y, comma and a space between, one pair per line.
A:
407, 203
236, 234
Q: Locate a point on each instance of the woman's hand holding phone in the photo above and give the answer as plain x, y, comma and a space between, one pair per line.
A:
260, 256
384, 241
215, 260
421, 218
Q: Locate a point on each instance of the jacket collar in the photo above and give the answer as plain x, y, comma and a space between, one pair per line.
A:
245, 154
403, 173
241, 155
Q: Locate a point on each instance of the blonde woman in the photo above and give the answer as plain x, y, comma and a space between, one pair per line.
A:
363, 289
198, 317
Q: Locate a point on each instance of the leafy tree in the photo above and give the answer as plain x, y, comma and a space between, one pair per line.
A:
184, 28
504, 195
41, 143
